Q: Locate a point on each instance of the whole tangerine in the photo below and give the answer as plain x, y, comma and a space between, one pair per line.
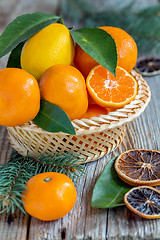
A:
83, 61
49, 196
126, 51
126, 47
64, 86
19, 97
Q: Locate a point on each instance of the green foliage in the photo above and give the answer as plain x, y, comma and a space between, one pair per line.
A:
109, 189
51, 118
14, 58
19, 170
143, 25
99, 45
22, 28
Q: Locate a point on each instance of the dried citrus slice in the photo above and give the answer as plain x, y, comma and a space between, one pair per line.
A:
139, 167
148, 66
144, 201
108, 90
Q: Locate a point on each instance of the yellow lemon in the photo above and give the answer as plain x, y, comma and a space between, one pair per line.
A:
52, 45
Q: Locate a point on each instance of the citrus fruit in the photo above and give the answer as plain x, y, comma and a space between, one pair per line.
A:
139, 167
64, 86
126, 51
148, 66
126, 47
95, 110
19, 97
49, 196
108, 90
52, 45
144, 201
83, 61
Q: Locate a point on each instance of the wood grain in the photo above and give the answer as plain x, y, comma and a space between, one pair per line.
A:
84, 222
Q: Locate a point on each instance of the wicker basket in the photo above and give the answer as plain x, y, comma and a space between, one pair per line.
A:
94, 138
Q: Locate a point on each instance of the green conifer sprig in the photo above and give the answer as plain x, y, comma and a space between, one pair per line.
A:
20, 169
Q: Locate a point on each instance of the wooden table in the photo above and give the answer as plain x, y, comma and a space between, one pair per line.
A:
84, 222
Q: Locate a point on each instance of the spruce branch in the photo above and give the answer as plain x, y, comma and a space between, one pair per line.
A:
20, 169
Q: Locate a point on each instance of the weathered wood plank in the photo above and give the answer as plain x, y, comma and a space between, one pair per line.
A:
144, 133
84, 222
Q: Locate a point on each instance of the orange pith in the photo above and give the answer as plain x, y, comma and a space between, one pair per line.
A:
110, 91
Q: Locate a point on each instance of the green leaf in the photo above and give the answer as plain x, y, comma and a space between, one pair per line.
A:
14, 58
109, 190
22, 28
51, 118
99, 45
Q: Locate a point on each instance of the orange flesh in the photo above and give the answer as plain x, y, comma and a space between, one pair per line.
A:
105, 88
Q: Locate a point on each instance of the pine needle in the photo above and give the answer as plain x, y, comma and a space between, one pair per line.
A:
20, 169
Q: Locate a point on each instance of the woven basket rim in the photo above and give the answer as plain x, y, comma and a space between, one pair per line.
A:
113, 119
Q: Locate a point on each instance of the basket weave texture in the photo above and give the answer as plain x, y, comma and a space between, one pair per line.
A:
94, 137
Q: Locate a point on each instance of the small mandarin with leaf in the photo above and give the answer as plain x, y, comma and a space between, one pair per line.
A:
126, 47
126, 51
64, 86
49, 196
19, 97
51, 45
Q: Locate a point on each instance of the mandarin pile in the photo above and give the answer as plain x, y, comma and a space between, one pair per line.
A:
60, 73
66, 74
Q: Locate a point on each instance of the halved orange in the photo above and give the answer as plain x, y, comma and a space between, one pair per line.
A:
139, 167
110, 91
144, 201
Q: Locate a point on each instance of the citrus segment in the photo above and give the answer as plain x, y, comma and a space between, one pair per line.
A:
144, 201
110, 91
139, 167
52, 45
64, 86
19, 97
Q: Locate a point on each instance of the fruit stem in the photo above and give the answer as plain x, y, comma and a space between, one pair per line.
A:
47, 179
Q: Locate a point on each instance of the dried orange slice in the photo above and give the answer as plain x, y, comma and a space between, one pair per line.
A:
139, 167
144, 201
108, 90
